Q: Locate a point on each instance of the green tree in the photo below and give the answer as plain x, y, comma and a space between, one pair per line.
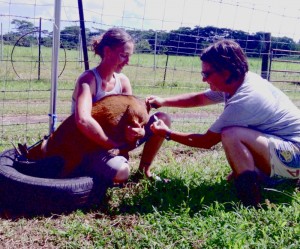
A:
23, 27
70, 36
143, 46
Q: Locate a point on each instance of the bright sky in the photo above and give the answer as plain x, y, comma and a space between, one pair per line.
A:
280, 17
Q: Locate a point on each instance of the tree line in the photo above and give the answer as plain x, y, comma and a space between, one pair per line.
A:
182, 41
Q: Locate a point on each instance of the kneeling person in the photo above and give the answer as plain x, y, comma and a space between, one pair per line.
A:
259, 127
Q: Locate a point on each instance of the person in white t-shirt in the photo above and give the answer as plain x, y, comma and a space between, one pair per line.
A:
114, 48
259, 127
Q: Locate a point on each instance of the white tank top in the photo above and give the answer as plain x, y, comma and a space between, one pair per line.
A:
99, 92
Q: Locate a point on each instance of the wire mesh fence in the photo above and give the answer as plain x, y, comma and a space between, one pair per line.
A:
165, 63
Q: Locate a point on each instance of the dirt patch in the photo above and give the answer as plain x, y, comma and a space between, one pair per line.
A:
35, 119
28, 119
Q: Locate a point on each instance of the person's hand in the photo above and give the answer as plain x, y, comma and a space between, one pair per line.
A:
154, 101
159, 128
134, 132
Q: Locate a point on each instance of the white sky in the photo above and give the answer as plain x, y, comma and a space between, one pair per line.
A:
280, 17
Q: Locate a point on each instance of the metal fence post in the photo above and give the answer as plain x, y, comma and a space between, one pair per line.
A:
266, 55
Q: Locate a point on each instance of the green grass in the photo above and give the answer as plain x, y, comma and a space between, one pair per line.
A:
197, 209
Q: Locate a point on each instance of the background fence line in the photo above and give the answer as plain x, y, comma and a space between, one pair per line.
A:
165, 62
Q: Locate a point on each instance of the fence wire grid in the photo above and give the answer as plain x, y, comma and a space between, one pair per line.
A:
165, 62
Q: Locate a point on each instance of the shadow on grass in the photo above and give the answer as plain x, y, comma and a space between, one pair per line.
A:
176, 196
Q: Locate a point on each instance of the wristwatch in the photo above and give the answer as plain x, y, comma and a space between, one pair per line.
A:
168, 135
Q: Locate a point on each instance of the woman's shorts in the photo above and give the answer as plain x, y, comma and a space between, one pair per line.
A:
284, 158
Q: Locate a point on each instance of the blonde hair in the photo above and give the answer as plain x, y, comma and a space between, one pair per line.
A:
114, 37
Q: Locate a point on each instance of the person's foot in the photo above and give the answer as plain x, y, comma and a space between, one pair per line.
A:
248, 188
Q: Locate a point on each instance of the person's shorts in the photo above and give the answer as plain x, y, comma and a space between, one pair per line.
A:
105, 165
284, 158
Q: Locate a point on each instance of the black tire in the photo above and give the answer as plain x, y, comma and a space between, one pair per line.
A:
43, 195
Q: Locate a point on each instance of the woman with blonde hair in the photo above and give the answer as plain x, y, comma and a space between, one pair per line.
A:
115, 48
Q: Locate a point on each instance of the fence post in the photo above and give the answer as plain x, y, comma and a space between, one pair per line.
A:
39, 46
155, 45
166, 67
1, 50
83, 36
266, 55
54, 74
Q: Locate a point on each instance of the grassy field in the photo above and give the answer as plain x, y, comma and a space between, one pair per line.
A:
197, 209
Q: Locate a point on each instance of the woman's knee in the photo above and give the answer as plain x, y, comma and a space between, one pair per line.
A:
249, 137
122, 174
164, 117
230, 134
234, 134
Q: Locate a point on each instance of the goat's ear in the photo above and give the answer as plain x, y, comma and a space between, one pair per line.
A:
23, 149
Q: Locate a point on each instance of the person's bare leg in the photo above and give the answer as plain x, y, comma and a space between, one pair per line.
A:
122, 174
152, 146
246, 149
247, 152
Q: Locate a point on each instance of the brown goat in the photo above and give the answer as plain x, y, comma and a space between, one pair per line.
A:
114, 113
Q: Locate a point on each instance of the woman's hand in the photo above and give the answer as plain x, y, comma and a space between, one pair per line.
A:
154, 101
159, 128
134, 132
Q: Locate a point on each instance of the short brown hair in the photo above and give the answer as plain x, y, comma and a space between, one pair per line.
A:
227, 55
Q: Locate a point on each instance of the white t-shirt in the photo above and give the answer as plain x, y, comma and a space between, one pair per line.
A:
258, 105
